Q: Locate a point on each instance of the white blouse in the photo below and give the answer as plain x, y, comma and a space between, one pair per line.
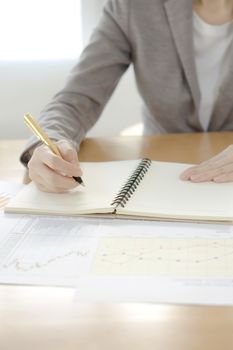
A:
211, 45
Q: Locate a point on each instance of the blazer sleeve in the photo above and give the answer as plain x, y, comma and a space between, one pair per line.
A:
90, 84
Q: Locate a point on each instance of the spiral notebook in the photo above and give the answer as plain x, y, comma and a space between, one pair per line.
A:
133, 188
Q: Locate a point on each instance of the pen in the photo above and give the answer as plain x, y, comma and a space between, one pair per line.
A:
40, 133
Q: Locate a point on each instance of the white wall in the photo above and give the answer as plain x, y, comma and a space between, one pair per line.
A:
28, 86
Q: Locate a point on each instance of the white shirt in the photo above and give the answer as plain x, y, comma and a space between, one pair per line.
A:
211, 47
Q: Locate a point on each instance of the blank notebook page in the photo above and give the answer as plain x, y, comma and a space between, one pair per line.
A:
102, 182
162, 193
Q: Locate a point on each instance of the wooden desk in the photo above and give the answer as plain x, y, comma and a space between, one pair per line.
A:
47, 319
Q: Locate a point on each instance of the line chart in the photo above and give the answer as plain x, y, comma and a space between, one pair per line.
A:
20, 265
164, 257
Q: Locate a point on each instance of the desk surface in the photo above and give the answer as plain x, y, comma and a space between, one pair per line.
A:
46, 318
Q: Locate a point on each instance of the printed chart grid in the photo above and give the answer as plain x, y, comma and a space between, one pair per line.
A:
161, 257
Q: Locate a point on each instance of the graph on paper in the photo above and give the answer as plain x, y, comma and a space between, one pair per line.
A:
163, 257
20, 265
42, 250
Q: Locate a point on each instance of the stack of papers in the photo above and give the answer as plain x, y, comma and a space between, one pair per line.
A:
112, 260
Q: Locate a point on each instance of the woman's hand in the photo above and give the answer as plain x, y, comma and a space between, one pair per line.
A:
217, 169
52, 173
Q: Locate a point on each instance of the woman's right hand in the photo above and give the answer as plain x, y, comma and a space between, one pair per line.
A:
52, 173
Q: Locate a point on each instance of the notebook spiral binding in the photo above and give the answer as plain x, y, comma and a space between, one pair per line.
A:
132, 183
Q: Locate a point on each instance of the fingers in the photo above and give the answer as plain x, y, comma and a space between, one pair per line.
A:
218, 169
68, 152
220, 174
52, 173
50, 181
56, 163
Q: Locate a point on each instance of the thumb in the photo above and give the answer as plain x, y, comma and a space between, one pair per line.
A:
68, 151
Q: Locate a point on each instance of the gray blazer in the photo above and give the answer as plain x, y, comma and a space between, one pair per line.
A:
156, 36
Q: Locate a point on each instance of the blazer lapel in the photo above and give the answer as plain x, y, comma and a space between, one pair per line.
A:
223, 107
180, 13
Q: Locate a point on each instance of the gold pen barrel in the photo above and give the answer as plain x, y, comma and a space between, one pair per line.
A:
39, 132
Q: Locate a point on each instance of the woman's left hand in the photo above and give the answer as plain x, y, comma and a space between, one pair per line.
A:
218, 168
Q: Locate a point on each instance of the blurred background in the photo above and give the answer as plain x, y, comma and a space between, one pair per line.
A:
40, 41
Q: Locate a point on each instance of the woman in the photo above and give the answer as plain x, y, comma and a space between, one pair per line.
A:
182, 56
